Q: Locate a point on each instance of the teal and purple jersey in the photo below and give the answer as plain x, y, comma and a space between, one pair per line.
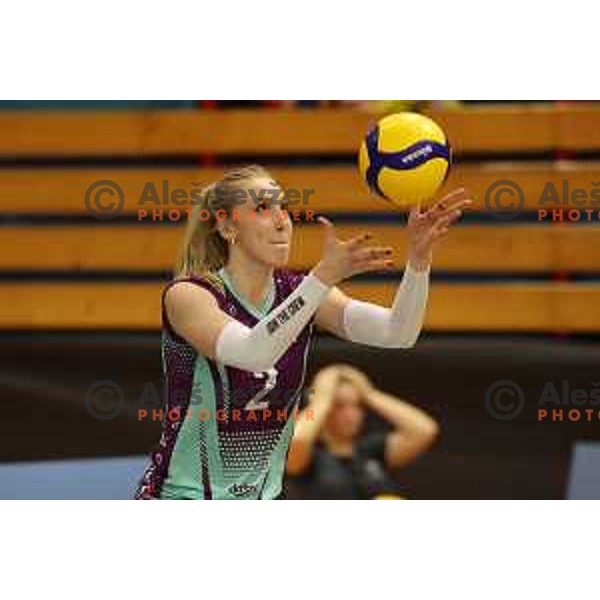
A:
226, 432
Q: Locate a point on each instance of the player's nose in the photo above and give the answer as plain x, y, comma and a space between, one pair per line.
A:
280, 218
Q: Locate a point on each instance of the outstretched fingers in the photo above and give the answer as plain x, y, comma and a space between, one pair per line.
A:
456, 200
372, 259
358, 240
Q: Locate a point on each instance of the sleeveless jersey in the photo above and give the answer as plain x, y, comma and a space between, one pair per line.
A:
226, 431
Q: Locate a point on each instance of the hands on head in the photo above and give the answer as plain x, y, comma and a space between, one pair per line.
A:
328, 378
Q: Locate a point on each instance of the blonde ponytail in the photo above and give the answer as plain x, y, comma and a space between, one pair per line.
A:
203, 250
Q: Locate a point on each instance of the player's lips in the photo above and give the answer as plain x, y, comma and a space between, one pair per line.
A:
280, 243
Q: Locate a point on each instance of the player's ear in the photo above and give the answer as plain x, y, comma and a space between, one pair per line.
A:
226, 229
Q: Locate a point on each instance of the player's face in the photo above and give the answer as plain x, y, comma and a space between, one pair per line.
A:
267, 234
347, 416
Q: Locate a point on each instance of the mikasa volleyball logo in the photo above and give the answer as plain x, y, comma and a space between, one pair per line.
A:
426, 150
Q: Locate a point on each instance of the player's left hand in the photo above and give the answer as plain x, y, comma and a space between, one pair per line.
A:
427, 225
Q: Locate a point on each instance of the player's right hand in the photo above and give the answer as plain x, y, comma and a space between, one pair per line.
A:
344, 258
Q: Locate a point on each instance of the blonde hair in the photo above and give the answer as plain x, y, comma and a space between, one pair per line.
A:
204, 250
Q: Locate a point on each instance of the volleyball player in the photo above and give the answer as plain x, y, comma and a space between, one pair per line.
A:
332, 458
237, 326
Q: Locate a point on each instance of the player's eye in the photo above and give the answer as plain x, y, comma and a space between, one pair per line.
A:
260, 207
284, 205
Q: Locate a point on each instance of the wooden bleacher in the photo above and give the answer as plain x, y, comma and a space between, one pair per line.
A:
337, 188
111, 246
137, 248
285, 131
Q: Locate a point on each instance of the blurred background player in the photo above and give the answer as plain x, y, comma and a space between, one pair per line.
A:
331, 458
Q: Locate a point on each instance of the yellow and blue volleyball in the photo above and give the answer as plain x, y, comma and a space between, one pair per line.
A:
405, 158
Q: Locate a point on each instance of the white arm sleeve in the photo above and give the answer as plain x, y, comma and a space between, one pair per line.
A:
258, 348
396, 327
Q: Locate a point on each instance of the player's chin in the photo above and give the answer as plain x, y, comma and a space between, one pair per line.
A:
353, 430
278, 256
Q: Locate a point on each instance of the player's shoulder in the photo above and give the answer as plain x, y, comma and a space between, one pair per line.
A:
211, 282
